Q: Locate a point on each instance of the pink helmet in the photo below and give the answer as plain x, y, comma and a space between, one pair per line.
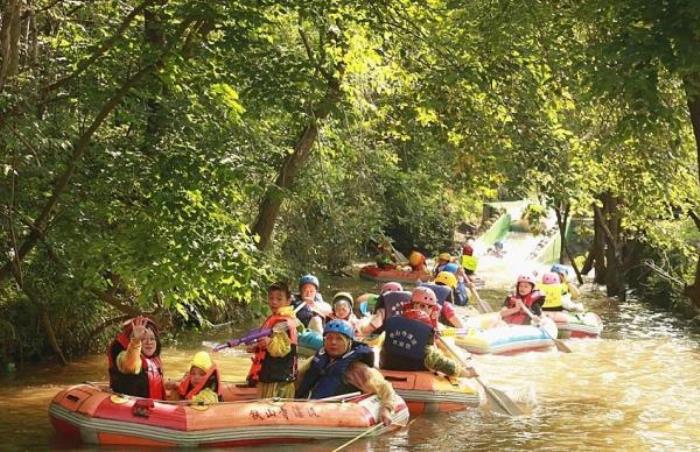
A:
390, 287
526, 278
550, 278
424, 295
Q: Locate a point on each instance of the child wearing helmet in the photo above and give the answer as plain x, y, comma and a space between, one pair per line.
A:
343, 308
274, 367
343, 366
417, 262
202, 383
569, 287
442, 260
410, 339
134, 360
314, 314
374, 323
526, 295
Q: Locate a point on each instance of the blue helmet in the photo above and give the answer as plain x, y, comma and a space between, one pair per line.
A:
309, 279
339, 326
451, 267
558, 268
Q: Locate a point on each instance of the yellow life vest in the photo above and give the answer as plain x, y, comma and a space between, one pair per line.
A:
469, 262
552, 294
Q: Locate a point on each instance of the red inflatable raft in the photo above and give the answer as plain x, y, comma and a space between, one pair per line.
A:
95, 415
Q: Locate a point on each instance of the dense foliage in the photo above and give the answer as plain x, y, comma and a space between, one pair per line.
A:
161, 155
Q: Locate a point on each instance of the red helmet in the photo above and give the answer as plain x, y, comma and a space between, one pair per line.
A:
467, 250
417, 314
424, 295
390, 287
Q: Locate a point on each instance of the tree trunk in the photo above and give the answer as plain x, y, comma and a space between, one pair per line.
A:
156, 116
600, 266
272, 201
692, 90
10, 33
610, 223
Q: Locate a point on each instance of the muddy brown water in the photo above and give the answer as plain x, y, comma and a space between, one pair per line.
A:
637, 388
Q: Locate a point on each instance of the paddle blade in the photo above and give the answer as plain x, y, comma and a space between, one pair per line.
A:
561, 346
500, 402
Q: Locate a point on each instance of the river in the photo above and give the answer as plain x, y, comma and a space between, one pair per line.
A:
637, 388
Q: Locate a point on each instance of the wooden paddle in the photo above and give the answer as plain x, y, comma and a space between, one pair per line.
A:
482, 305
498, 399
372, 429
561, 346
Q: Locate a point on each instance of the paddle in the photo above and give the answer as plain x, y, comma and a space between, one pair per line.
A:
498, 399
372, 429
483, 306
561, 346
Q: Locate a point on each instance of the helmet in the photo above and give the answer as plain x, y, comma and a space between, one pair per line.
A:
550, 278
527, 278
390, 287
498, 245
343, 296
339, 326
417, 314
467, 250
558, 268
423, 295
451, 267
446, 279
416, 258
202, 360
309, 279
444, 257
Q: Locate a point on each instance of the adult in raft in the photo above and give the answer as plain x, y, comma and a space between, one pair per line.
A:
134, 360
526, 295
314, 314
343, 366
419, 323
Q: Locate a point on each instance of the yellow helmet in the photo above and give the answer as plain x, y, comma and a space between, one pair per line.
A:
446, 278
416, 258
444, 257
202, 360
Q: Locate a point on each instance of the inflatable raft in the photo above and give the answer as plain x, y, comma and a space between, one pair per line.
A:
94, 415
374, 273
426, 392
571, 324
508, 340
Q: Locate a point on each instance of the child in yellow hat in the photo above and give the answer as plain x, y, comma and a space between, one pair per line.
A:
202, 384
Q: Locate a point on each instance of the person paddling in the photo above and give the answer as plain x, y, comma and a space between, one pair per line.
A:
525, 295
343, 366
410, 339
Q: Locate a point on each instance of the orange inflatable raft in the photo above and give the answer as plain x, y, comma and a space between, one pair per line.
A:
94, 415
374, 273
426, 392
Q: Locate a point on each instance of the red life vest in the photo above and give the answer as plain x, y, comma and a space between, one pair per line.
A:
148, 383
261, 352
521, 317
186, 391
